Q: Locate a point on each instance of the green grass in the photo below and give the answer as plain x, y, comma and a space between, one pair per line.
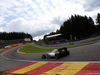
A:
32, 49
81, 44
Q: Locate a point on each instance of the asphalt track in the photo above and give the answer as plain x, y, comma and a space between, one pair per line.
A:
10, 58
82, 53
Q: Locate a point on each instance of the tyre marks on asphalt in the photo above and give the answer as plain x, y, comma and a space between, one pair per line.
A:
59, 68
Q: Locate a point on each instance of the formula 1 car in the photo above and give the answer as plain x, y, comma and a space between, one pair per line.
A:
56, 53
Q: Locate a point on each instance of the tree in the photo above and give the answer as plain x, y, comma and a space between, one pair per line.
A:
98, 22
98, 19
14, 35
78, 26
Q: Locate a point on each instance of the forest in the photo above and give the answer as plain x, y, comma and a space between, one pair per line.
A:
14, 35
78, 27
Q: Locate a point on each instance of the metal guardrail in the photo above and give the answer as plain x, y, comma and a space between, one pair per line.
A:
70, 43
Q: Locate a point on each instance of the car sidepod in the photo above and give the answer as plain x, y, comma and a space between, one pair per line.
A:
63, 52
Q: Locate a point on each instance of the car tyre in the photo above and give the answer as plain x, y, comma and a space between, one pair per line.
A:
57, 56
43, 56
49, 57
67, 53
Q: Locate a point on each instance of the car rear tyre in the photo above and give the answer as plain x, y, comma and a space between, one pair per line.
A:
67, 53
57, 56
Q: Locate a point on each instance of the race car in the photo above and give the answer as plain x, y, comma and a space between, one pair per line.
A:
56, 53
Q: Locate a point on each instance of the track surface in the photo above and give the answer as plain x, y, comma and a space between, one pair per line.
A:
9, 58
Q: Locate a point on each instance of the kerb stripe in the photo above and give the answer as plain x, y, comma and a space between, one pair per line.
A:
28, 68
57, 69
20, 67
66, 69
90, 69
72, 69
42, 69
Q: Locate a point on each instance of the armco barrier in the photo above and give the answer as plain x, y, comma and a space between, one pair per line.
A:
19, 44
6, 47
14, 45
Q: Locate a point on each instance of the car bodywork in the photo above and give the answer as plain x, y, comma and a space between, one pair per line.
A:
56, 53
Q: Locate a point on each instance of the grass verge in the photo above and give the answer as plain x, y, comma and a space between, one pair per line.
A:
81, 44
32, 49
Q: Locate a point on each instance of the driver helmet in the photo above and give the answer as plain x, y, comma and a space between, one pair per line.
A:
55, 50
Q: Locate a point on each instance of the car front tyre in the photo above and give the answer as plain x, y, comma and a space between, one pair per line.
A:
43, 56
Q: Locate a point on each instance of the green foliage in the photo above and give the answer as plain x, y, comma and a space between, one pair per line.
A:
98, 19
78, 26
98, 22
14, 35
